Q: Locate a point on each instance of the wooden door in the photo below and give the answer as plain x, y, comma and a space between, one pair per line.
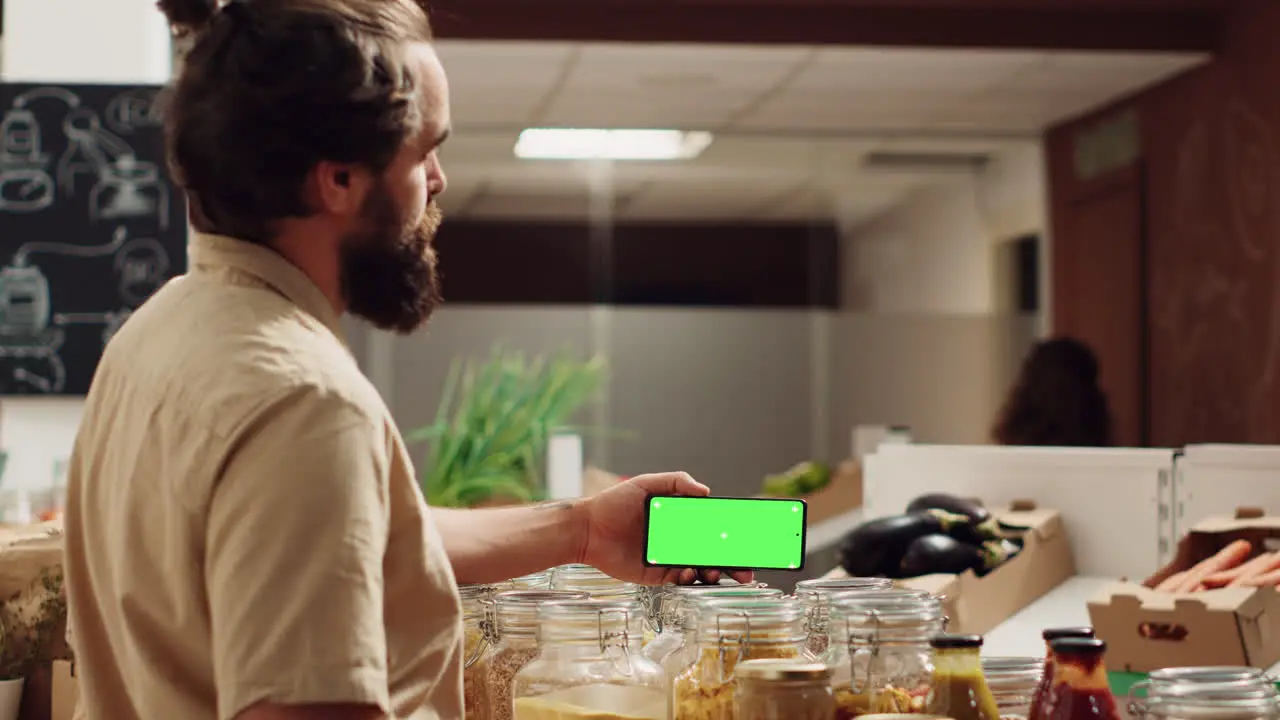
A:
1099, 293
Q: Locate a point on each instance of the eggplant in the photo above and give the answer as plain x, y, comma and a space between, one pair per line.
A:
986, 526
875, 548
944, 554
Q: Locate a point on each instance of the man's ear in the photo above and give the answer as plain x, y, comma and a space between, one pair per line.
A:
339, 188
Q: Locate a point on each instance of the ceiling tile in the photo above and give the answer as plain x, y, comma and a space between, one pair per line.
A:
851, 111
578, 107
480, 65
689, 69
479, 109
1017, 111
1107, 74
844, 69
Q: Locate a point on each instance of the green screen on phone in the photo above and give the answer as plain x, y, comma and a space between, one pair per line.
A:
731, 533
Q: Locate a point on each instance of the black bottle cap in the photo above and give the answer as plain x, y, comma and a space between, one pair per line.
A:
955, 642
1078, 645
1067, 632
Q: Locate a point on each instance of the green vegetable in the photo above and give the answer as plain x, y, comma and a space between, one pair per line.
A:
490, 435
803, 479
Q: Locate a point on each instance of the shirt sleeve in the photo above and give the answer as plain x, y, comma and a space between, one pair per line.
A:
298, 527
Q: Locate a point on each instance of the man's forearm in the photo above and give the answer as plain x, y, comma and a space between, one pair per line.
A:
492, 545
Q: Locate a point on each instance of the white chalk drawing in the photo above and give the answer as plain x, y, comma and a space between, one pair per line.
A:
1251, 177
25, 183
31, 332
132, 110
126, 187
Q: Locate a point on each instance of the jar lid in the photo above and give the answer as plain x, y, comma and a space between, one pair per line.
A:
574, 609
888, 606
1078, 645
762, 606
519, 608
1205, 674
1012, 674
830, 586
475, 592
1052, 634
947, 641
781, 670
585, 578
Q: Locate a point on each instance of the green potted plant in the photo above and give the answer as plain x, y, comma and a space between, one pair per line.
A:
489, 439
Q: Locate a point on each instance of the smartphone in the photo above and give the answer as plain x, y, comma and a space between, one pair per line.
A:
725, 533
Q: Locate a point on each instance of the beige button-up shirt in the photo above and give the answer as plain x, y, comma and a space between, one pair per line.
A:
243, 520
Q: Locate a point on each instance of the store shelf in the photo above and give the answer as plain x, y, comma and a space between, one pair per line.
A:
1064, 606
827, 533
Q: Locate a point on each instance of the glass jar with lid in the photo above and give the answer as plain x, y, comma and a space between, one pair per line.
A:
783, 690
589, 665
816, 596
673, 619
727, 631
598, 585
513, 642
1013, 682
1204, 692
532, 581
879, 651
475, 623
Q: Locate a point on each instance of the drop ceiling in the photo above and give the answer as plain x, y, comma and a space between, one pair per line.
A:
793, 124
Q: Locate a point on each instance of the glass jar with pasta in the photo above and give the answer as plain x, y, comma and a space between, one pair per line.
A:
726, 631
513, 642
672, 618
816, 596
879, 651
589, 665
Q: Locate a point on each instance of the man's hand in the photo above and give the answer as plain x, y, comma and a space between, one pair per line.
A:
616, 528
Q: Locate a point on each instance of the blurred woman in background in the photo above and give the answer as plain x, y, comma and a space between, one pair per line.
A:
1057, 400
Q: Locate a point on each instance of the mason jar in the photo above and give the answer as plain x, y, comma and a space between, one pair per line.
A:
816, 596
532, 581
475, 616
589, 664
879, 651
513, 642
1013, 682
672, 617
1233, 700
727, 631
783, 690
1234, 693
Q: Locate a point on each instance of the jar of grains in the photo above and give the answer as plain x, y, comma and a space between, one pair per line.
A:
726, 632
513, 642
672, 648
475, 609
879, 651
783, 690
1205, 693
1013, 682
816, 596
589, 665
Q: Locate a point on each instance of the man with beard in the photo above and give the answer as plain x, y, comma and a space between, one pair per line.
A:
245, 535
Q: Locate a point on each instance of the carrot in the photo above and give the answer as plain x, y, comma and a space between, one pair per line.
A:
1269, 565
1256, 566
1226, 559
1170, 583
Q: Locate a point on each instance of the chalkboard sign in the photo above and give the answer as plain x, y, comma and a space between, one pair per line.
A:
90, 227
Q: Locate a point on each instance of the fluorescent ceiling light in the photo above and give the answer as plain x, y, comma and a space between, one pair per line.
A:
594, 144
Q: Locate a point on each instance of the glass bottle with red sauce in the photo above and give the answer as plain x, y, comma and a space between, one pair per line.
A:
1080, 688
1038, 700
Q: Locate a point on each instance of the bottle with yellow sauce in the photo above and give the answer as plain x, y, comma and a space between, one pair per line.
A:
959, 689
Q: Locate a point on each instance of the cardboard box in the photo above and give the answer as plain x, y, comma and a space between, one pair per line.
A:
978, 605
1146, 630
66, 691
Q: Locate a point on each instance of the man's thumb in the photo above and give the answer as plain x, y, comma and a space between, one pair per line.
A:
671, 483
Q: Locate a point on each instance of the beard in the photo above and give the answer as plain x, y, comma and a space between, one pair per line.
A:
389, 273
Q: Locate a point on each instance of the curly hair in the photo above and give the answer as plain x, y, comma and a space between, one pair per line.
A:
269, 88
1057, 400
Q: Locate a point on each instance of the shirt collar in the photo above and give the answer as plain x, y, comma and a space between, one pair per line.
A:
268, 267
